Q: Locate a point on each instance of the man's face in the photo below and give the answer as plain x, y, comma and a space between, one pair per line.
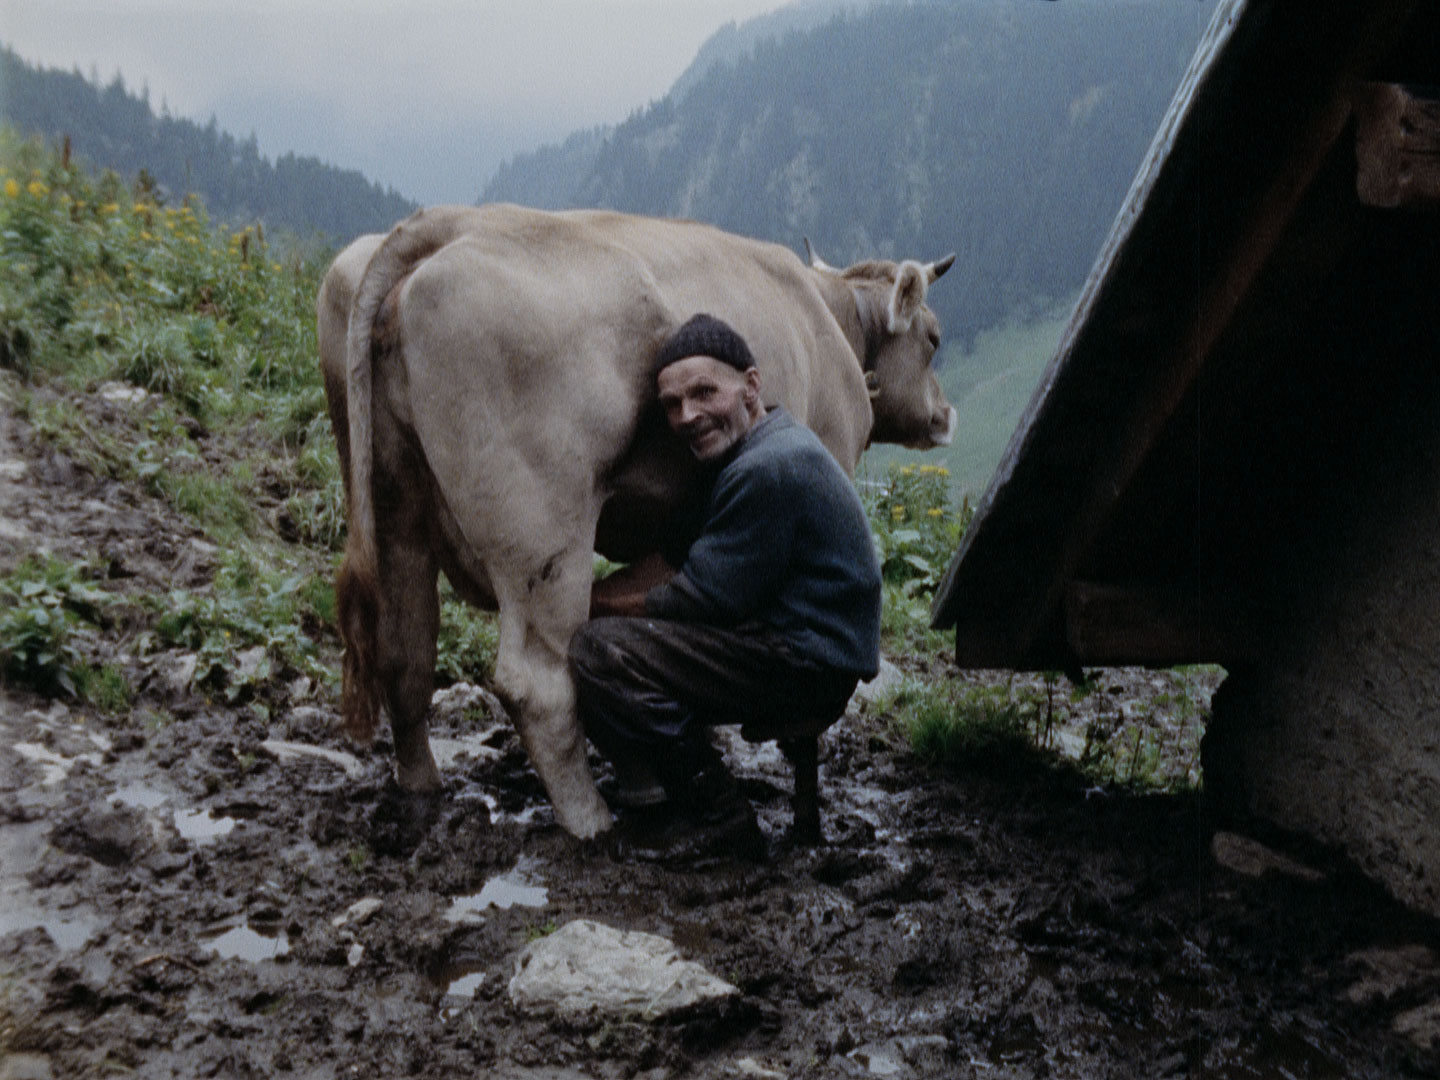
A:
709, 404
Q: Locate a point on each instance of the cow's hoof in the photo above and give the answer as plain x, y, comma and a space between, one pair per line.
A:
402, 819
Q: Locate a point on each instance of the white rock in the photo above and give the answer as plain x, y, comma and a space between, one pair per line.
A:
451, 704
889, 677
1386, 972
587, 967
250, 662
358, 912
25, 1067
290, 751
180, 673
475, 747
1421, 1025
355, 955
748, 1066
122, 393
1253, 859
879, 1059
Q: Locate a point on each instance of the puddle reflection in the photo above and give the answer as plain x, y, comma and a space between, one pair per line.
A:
511, 889
245, 943
199, 826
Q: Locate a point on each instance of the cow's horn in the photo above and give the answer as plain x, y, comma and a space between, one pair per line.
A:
937, 269
815, 261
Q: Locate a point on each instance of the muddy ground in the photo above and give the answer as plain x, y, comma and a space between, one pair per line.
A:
179, 881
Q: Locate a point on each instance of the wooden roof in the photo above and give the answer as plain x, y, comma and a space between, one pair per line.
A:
1278, 223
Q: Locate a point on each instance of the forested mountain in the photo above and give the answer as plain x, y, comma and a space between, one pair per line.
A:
1006, 130
111, 127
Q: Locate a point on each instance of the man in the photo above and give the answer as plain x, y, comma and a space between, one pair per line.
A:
772, 616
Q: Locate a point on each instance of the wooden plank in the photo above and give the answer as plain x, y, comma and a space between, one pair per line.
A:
1397, 147
1254, 245
1109, 624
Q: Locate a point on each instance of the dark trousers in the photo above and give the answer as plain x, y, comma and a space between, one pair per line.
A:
648, 689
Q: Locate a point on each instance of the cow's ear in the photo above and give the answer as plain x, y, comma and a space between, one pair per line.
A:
907, 296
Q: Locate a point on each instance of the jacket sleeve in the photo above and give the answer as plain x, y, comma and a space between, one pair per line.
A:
740, 560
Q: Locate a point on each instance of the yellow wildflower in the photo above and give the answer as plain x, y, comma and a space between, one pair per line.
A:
37, 189
942, 470
897, 511
12, 188
276, 267
934, 512
146, 236
907, 470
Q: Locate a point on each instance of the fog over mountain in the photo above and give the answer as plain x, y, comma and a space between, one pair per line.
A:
1007, 131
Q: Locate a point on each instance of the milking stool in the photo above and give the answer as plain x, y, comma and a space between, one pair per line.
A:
799, 741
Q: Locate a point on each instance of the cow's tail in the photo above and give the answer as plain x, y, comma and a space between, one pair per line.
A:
357, 591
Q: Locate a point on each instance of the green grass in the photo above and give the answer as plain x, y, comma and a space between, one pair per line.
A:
1012, 728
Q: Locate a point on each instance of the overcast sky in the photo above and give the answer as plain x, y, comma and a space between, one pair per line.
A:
425, 95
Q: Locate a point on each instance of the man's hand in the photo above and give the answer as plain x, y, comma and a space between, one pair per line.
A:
623, 592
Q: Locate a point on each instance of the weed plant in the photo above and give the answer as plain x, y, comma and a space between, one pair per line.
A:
917, 527
103, 283
44, 606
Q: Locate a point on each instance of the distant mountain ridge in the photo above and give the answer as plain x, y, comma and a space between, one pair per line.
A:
1007, 130
112, 128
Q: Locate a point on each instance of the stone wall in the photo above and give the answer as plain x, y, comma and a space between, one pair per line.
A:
1336, 733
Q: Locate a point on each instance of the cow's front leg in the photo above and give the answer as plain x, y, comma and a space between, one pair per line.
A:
532, 673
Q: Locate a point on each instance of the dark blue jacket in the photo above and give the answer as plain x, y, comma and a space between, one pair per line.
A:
785, 543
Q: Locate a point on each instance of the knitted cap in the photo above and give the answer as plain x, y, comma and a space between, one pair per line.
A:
705, 335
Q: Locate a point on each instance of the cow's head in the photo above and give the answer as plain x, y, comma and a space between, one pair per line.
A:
900, 336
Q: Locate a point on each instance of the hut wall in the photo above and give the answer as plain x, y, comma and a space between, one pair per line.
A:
1336, 733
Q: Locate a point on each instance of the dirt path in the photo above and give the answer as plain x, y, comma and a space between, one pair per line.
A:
188, 890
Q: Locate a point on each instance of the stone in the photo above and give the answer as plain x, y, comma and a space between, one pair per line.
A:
179, 673
1387, 972
122, 393
450, 705
880, 1059
1420, 1025
1254, 859
748, 1066
25, 1067
587, 967
286, 752
358, 913
886, 681
252, 664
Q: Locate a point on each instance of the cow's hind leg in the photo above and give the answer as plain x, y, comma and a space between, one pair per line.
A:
408, 624
538, 615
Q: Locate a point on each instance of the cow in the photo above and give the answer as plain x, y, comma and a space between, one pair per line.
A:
487, 374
